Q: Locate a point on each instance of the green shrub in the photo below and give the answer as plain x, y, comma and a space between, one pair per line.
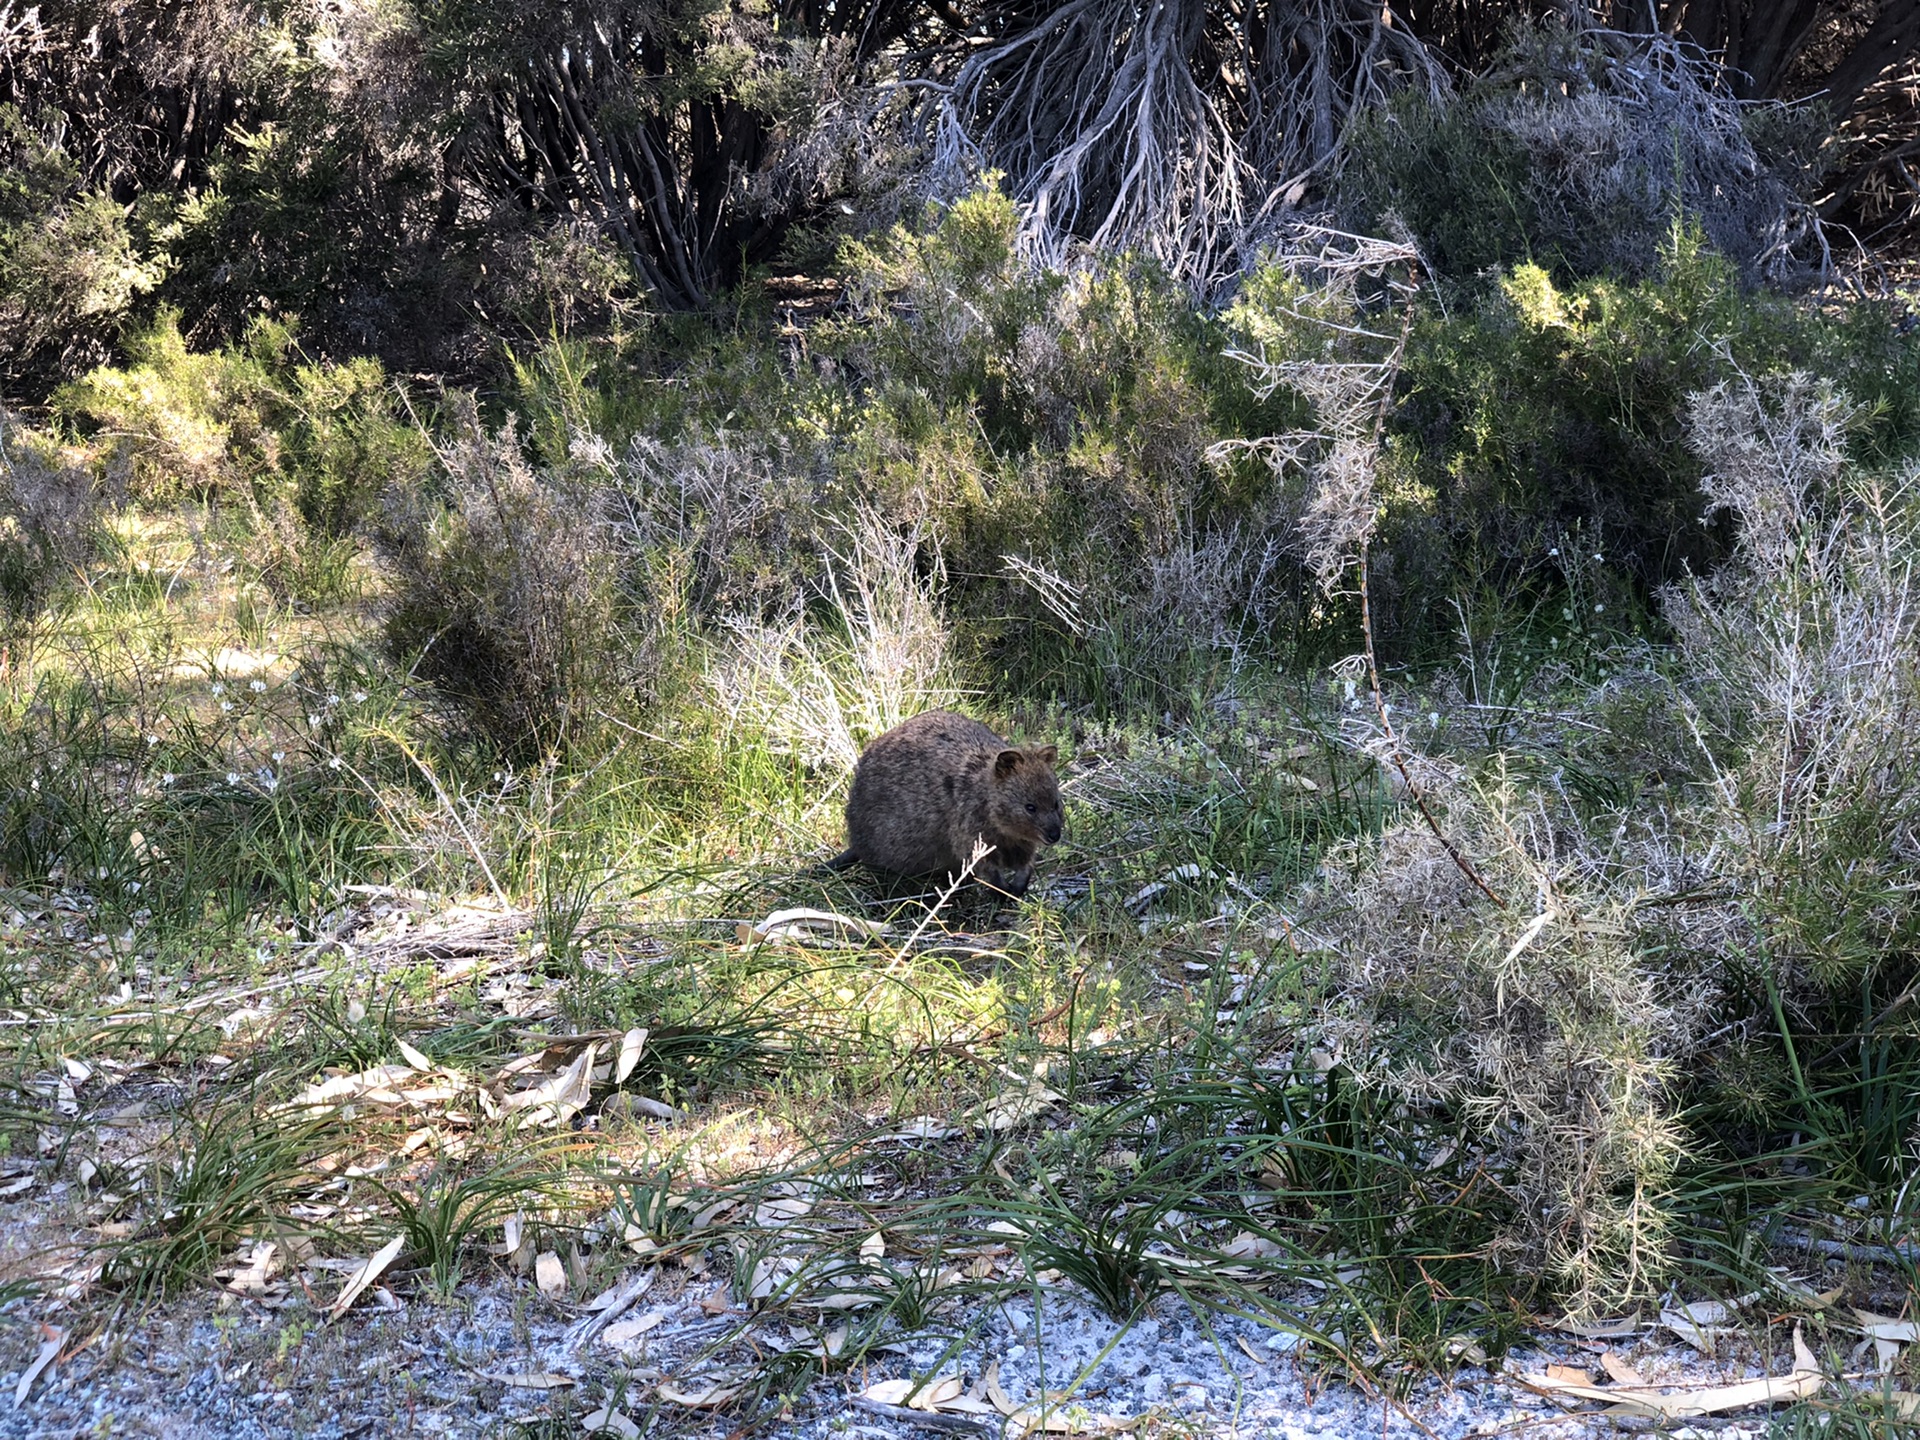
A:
325, 201
68, 265
304, 447
1541, 413
1050, 429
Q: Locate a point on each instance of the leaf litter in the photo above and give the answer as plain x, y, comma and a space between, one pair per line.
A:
700, 1347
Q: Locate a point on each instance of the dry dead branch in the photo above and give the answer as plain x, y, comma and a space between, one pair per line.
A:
1179, 129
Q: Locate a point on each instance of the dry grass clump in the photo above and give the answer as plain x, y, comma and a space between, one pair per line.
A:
718, 525
1766, 888
820, 693
507, 595
50, 519
1540, 1026
1805, 654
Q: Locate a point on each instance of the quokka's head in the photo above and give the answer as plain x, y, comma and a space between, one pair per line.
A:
1026, 795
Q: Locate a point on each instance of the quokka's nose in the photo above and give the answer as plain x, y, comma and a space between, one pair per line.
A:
1053, 834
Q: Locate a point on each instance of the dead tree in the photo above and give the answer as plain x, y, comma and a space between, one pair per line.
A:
1176, 127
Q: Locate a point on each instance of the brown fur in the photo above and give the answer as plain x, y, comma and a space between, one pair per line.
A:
925, 791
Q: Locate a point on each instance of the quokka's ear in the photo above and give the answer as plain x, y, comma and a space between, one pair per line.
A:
1005, 763
1049, 754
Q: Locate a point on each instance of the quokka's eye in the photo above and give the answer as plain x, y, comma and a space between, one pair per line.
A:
1033, 809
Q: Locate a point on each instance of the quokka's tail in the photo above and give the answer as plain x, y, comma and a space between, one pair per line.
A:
845, 860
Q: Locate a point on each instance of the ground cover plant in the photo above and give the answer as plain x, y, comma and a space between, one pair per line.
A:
1484, 680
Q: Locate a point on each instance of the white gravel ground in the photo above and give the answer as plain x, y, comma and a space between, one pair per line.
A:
205, 1373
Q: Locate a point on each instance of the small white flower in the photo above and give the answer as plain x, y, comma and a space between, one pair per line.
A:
35, 785
152, 740
1554, 551
1566, 614
359, 697
168, 779
259, 687
1598, 608
218, 688
1433, 718
334, 763
1598, 556
278, 756
272, 782
233, 777
333, 699
314, 721
225, 706
1552, 643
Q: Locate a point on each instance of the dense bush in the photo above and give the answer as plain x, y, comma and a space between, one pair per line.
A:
1801, 660
503, 592
69, 267
302, 447
1050, 429
50, 520
1537, 413
1578, 155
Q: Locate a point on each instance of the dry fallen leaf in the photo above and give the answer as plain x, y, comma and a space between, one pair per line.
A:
996, 1395
609, 1421
1622, 1373
770, 1272
937, 1393
1569, 1375
365, 1276
1058, 1420
1699, 1323
785, 927
1603, 1329
701, 1392
415, 1058
516, 1244
922, 1127
1880, 1327
1004, 1112
1249, 1246
631, 1045
559, 1098
1685, 1402
529, 1379
43, 1359
632, 1328
549, 1274
780, 1209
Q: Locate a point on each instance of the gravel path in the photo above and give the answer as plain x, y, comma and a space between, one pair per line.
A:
213, 1368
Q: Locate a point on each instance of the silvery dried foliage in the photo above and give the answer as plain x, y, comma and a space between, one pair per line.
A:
506, 593
1540, 1027
50, 513
1804, 654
